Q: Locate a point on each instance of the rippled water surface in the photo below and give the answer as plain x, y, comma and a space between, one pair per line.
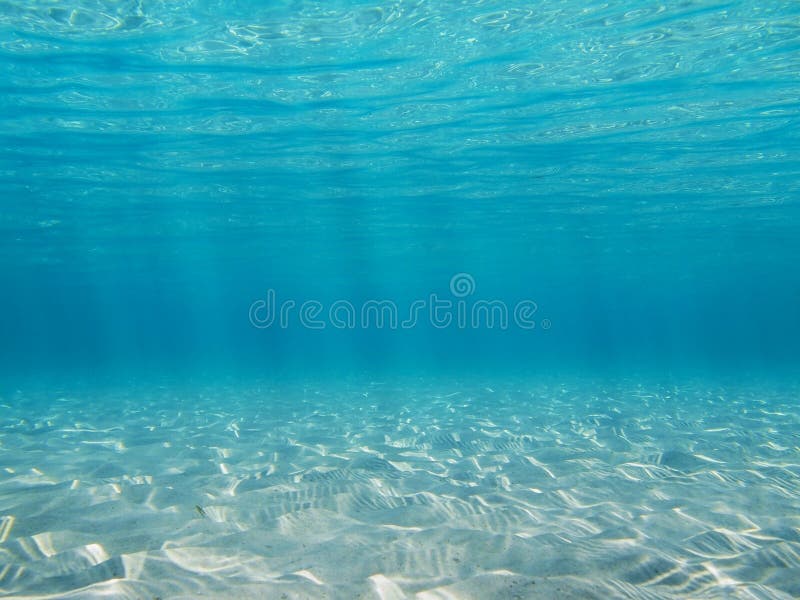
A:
114, 109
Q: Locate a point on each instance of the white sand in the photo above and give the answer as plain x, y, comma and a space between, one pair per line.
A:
429, 491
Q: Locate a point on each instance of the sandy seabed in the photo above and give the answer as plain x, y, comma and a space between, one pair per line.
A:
421, 490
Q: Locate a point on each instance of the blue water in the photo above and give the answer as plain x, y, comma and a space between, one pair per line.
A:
631, 169
627, 174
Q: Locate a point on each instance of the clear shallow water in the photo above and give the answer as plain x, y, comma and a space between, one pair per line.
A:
403, 489
631, 172
631, 169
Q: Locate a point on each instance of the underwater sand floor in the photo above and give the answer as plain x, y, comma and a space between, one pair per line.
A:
415, 491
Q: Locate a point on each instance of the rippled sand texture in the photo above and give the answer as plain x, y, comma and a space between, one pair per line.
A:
390, 492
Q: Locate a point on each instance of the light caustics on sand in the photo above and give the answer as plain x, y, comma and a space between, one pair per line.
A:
401, 492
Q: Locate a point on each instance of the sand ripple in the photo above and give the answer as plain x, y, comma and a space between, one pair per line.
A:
426, 491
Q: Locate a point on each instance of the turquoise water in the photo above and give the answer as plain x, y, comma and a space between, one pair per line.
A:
384, 268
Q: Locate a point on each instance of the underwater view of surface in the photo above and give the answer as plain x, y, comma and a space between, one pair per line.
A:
399, 299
